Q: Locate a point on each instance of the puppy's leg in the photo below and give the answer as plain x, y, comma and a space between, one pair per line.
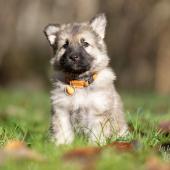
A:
119, 125
62, 132
99, 130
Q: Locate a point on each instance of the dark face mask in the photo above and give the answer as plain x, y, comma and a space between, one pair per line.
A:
75, 60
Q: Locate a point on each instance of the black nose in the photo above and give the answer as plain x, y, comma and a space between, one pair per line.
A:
74, 57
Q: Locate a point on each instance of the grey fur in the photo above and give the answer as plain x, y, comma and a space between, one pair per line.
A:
95, 110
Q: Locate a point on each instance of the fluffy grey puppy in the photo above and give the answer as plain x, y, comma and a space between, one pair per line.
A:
84, 99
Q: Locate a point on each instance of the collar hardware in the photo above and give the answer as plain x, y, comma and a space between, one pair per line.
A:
73, 84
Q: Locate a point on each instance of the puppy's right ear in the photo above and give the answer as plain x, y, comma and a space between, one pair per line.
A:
98, 24
51, 31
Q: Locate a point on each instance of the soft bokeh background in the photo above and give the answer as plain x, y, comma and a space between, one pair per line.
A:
138, 39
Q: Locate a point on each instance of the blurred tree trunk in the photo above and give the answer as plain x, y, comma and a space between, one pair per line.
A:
162, 82
138, 38
86, 9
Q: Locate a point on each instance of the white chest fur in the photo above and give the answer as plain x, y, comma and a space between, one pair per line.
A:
82, 98
97, 96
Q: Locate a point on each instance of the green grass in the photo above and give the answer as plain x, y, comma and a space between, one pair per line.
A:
25, 115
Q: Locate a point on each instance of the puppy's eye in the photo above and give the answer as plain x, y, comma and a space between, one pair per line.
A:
66, 44
84, 43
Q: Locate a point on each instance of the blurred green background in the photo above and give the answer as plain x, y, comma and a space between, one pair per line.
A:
138, 39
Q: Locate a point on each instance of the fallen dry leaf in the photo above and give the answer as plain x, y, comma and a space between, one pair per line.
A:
153, 163
93, 151
82, 153
15, 149
164, 127
87, 156
14, 145
123, 146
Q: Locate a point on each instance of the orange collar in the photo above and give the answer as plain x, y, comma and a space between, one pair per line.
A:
73, 84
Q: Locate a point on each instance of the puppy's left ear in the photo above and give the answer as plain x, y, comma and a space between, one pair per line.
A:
51, 31
98, 24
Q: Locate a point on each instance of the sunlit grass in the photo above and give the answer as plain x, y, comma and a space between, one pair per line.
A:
25, 115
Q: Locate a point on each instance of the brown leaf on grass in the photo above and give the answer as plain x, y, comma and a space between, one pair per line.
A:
153, 163
123, 146
18, 150
86, 152
164, 127
14, 145
87, 156
81, 153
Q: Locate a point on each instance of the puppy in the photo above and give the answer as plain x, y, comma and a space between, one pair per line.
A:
84, 99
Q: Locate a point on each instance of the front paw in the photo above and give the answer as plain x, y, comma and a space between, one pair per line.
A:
123, 132
98, 140
62, 140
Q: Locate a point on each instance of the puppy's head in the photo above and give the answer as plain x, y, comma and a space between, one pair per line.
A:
78, 47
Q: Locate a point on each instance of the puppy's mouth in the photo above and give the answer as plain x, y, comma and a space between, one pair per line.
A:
75, 66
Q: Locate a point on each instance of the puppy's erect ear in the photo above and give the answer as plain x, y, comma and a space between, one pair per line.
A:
98, 24
51, 33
